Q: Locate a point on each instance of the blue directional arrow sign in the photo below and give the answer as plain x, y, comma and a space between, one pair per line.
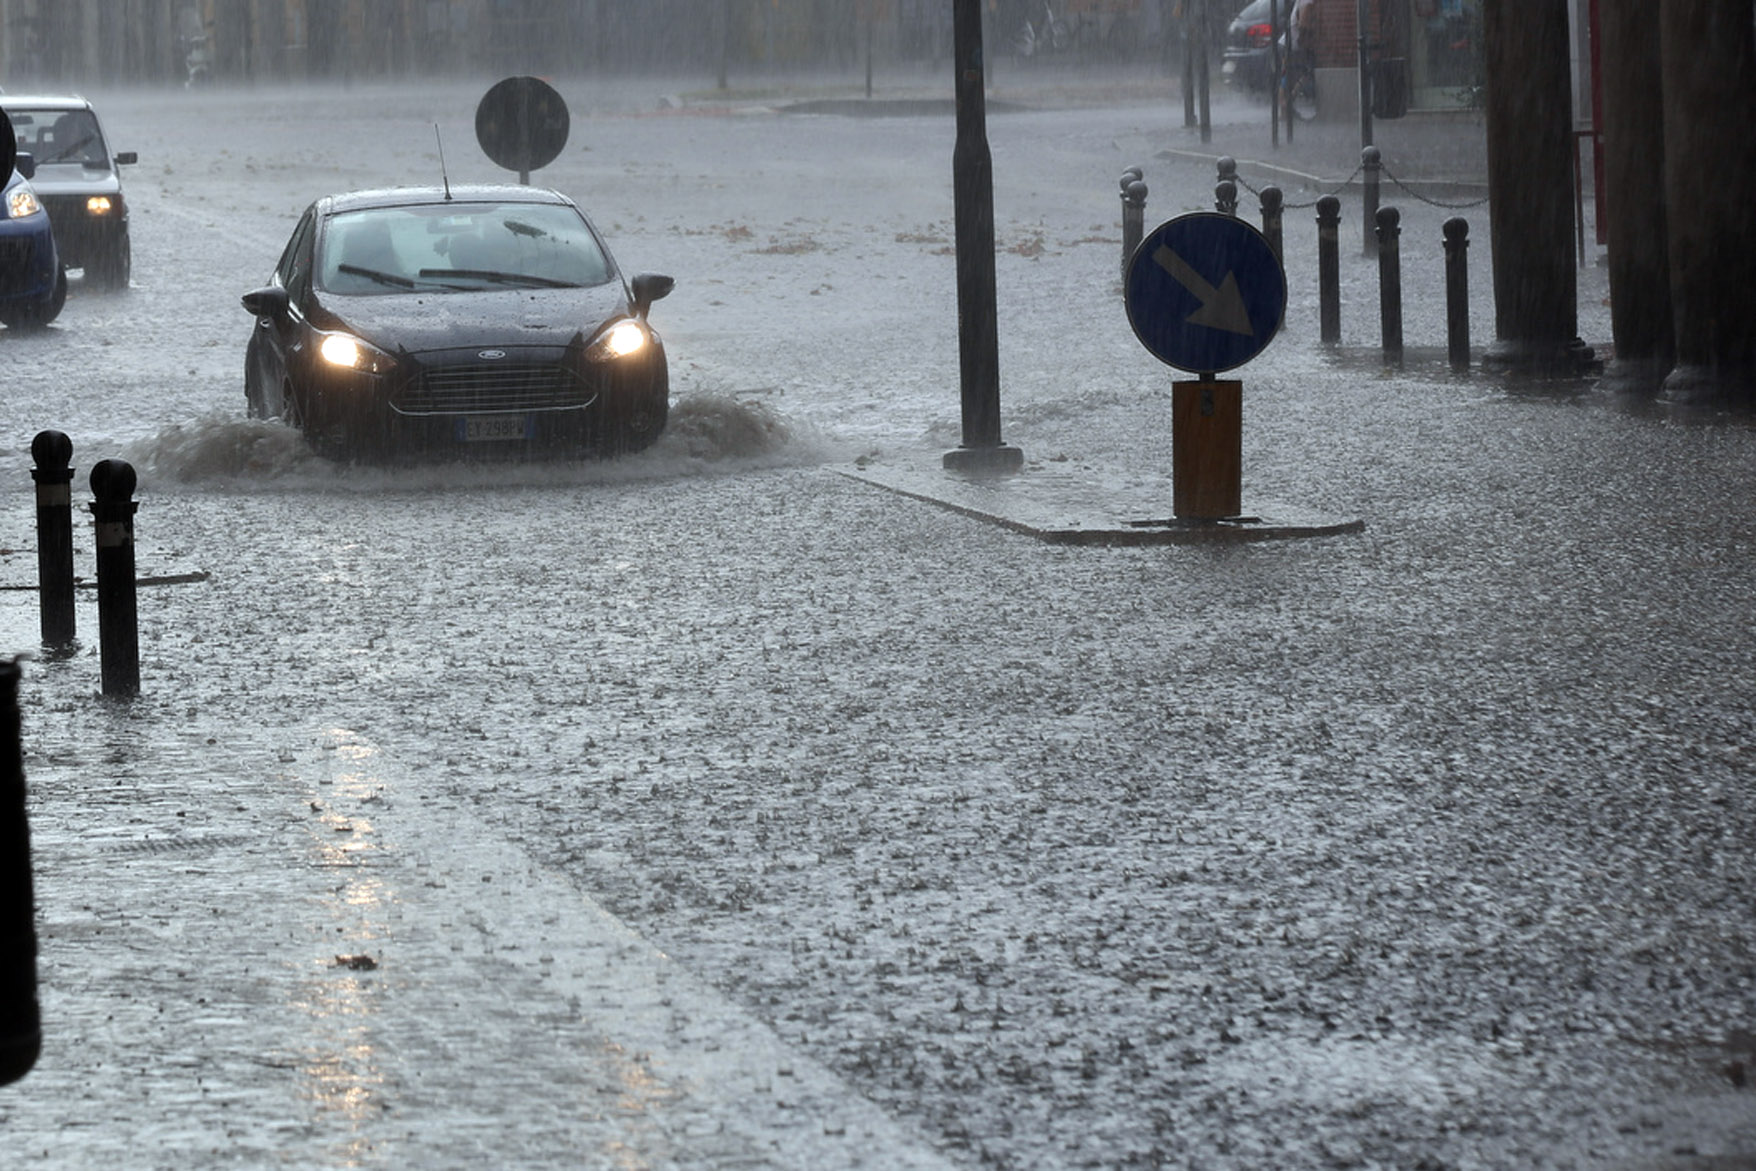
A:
1205, 292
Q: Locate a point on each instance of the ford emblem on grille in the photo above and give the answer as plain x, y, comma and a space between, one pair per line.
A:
491, 355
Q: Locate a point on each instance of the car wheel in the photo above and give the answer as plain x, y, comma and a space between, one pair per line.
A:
636, 426
111, 269
36, 314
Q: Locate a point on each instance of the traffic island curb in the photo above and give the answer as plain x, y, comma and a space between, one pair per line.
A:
1071, 505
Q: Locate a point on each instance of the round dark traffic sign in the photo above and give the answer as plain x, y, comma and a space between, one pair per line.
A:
522, 123
8, 149
1205, 292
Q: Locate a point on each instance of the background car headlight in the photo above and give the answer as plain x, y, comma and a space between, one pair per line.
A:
349, 352
98, 205
22, 202
619, 341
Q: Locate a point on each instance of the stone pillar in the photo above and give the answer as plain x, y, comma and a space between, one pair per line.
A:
1530, 187
1634, 197
1709, 55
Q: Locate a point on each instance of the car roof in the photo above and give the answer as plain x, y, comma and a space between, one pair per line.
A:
462, 193
44, 102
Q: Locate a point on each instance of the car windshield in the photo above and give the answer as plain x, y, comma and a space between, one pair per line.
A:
458, 247
60, 137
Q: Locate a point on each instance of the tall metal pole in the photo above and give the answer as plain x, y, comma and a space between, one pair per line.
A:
973, 195
1362, 15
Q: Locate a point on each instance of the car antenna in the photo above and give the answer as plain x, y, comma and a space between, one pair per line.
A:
442, 174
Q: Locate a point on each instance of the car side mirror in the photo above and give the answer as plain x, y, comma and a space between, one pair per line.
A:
25, 164
266, 302
650, 287
127, 158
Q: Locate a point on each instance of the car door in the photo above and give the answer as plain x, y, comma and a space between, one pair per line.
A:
282, 338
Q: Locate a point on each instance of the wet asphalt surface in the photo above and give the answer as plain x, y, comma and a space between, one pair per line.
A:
1422, 847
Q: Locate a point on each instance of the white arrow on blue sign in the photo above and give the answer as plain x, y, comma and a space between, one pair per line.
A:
1205, 292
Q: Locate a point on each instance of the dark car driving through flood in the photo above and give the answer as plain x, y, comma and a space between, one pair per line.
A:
469, 320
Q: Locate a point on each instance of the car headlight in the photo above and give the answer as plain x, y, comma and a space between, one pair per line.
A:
99, 205
618, 341
22, 202
350, 353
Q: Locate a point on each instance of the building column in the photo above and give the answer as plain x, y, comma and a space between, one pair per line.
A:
1634, 197
1708, 48
1530, 187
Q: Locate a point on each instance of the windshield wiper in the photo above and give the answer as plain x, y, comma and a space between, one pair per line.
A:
372, 274
501, 278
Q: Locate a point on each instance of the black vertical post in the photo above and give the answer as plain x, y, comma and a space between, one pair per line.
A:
1370, 163
1271, 221
1457, 292
1201, 71
1390, 283
1225, 197
1329, 267
112, 510
973, 196
1189, 118
53, 452
1133, 215
21, 1028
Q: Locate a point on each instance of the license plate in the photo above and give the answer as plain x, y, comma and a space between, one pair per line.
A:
489, 428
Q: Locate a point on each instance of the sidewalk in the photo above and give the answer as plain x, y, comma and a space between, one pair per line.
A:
296, 955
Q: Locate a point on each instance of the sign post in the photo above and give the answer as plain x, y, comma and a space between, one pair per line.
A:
1205, 293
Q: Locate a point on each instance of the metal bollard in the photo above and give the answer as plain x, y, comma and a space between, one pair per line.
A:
1390, 283
112, 510
1225, 192
1457, 291
53, 453
1271, 220
1371, 162
1225, 197
1133, 216
21, 1022
1329, 268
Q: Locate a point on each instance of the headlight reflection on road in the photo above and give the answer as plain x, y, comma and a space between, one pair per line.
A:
343, 1071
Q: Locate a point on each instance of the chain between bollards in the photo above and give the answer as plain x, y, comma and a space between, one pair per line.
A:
112, 510
1329, 268
1457, 292
1390, 283
53, 453
21, 1028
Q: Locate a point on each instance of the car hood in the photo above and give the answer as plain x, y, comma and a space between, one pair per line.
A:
443, 321
60, 179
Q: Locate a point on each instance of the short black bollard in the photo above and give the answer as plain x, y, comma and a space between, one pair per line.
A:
1371, 162
1457, 291
1133, 218
1390, 283
1271, 220
21, 1025
1225, 192
1329, 268
112, 510
1225, 197
53, 453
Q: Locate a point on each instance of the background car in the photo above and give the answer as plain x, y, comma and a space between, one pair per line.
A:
1245, 59
78, 182
465, 320
33, 284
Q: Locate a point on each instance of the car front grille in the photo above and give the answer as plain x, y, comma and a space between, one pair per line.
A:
486, 387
